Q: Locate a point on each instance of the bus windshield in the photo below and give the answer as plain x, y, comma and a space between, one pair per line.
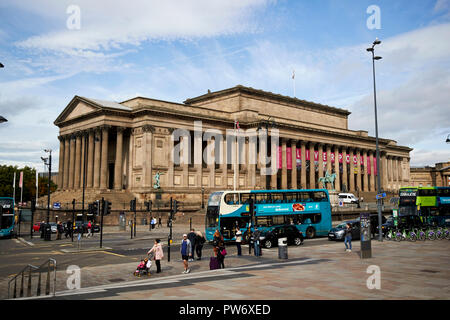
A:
6, 213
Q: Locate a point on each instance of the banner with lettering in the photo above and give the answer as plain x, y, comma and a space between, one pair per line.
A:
299, 157
279, 157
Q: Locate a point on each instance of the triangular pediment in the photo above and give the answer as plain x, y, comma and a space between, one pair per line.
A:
76, 108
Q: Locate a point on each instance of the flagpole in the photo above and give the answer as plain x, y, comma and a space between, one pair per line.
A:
37, 185
293, 77
21, 187
14, 188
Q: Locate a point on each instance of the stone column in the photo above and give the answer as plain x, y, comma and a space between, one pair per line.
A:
312, 169
294, 164
224, 164
358, 167
147, 150
170, 157
97, 158
328, 148
77, 174
211, 163
303, 169
66, 162
372, 171
365, 177
352, 171
283, 165
90, 160
198, 157
262, 161
337, 181
252, 141
383, 171
320, 150
274, 165
83, 157
118, 175
104, 160
61, 163
391, 174
72, 162
344, 170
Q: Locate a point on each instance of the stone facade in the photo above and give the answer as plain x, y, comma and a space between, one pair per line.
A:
122, 146
439, 175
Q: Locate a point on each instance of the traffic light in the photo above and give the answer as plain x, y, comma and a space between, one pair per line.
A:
175, 206
148, 205
93, 208
106, 208
133, 205
90, 209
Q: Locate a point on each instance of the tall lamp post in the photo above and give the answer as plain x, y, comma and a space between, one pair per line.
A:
49, 164
372, 50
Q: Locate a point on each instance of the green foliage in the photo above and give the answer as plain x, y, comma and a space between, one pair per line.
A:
29, 183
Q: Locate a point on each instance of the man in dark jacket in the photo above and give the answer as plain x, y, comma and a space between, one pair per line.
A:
191, 236
256, 235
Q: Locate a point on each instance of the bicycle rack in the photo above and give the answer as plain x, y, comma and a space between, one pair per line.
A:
28, 271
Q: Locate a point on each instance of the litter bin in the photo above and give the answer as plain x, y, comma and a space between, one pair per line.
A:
282, 248
47, 232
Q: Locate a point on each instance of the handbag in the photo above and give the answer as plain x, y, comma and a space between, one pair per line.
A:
223, 252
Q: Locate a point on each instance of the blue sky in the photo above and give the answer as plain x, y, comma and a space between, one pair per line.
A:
174, 50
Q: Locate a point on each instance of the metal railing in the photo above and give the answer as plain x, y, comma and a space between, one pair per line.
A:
29, 271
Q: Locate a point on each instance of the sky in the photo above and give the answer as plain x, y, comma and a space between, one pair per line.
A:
175, 50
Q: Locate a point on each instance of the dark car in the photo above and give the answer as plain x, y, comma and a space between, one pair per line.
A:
338, 232
269, 238
387, 225
81, 226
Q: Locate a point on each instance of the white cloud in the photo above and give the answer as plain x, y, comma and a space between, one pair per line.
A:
107, 25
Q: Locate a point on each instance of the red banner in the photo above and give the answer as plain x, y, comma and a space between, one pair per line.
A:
299, 157
316, 155
340, 157
307, 154
279, 158
332, 157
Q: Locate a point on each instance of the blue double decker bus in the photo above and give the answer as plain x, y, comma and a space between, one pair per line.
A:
7, 217
308, 209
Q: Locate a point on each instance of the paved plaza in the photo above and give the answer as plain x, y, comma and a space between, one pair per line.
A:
319, 269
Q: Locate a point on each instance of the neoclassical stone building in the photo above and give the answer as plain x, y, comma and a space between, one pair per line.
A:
122, 146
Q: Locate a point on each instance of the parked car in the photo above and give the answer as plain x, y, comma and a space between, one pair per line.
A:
338, 232
269, 238
53, 226
348, 198
81, 226
37, 226
386, 226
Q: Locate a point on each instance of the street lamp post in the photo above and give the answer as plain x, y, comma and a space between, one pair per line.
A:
372, 50
49, 164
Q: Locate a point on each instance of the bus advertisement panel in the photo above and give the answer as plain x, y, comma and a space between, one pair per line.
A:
308, 210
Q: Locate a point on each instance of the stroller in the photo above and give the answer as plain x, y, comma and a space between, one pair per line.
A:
143, 268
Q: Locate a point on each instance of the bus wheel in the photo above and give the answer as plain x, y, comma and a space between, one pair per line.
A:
268, 244
310, 232
297, 241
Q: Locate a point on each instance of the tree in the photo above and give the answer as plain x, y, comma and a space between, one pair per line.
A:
29, 183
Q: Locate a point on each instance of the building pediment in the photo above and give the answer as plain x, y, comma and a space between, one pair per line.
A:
80, 107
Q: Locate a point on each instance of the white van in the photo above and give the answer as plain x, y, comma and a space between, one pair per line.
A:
347, 198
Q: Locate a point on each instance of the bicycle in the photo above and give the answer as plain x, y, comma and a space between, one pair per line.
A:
398, 235
442, 233
409, 235
430, 234
421, 235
